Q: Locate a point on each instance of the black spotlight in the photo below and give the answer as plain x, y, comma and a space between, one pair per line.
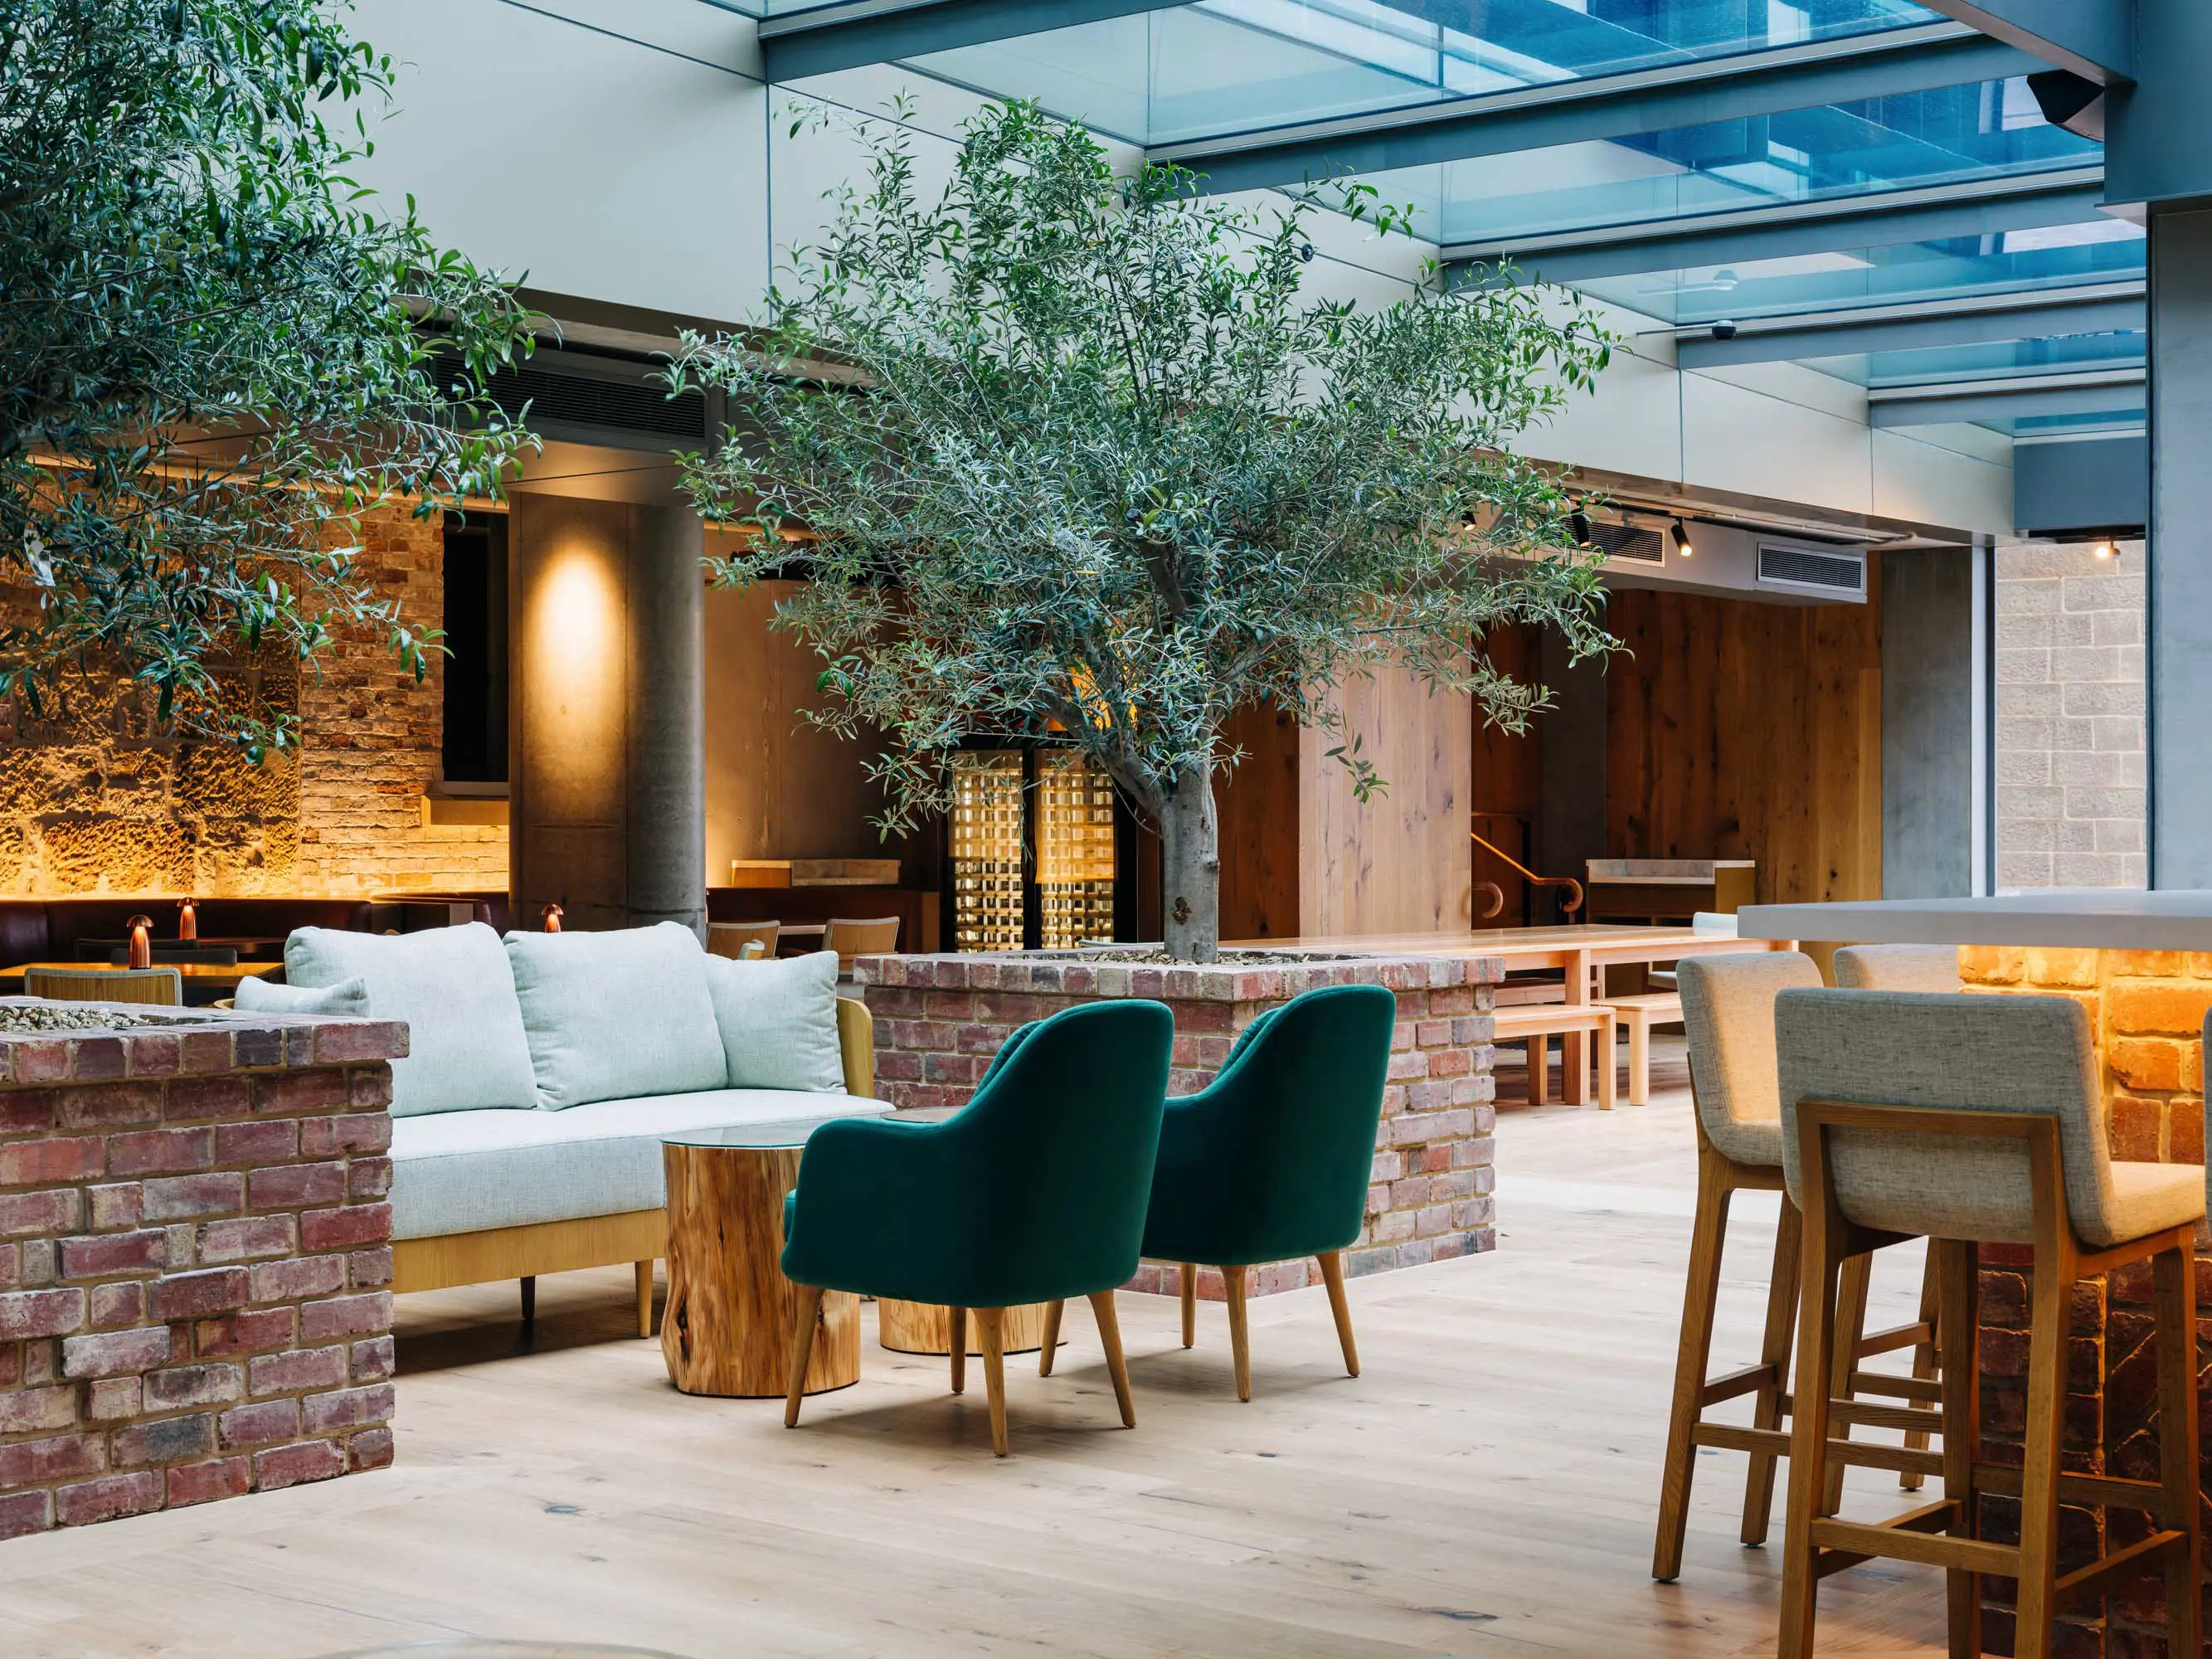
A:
1724, 329
1578, 526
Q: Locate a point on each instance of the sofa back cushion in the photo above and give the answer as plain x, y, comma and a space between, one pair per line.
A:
465, 1048
614, 1015
779, 1022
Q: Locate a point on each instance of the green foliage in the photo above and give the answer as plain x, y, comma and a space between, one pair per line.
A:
1057, 445
212, 355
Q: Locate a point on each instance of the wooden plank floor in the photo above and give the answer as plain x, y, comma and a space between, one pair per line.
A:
1486, 1489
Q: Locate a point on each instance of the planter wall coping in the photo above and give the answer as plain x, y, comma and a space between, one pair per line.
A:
189, 1042
1080, 974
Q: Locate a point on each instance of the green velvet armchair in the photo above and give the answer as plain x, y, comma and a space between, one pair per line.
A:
1270, 1162
1033, 1191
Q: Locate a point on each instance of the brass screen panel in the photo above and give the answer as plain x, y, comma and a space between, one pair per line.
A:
987, 851
1075, 850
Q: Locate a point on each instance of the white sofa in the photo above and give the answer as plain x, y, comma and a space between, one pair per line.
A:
543, 1072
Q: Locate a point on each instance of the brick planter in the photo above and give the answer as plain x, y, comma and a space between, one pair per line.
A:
940, 1019
193, 1261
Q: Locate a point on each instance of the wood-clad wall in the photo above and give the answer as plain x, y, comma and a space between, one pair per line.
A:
1258, 803
1400, 862
1747, 730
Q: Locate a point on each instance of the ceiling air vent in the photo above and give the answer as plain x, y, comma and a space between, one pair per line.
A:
1629, 542
1834, 575
613, 405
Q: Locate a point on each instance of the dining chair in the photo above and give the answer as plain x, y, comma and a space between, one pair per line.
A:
1898, 967
1034, 1191
849, 939
1970, 1121
1270, 1162
162, 987
729, 938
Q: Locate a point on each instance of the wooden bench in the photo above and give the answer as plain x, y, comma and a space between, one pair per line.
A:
1638, 1014
1537, 1023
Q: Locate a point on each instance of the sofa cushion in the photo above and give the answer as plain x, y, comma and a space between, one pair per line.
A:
465, 1048
779, 1022
465, 1171
257, 996
616, 1016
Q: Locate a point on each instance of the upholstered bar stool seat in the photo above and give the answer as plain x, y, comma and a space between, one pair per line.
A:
1970, 1119
1728, 1010
1898, 967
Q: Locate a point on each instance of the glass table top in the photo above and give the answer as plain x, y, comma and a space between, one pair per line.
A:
758, 1137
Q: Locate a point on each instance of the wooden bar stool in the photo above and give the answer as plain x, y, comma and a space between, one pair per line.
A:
1965, 1119
1727, 1009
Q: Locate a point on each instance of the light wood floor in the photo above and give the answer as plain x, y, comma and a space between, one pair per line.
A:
1486, 1489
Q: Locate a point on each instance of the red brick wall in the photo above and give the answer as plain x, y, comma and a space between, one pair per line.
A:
940, 1019
2147, 1009
193, 1258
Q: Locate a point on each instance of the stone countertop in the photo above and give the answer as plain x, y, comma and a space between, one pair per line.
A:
2176, 920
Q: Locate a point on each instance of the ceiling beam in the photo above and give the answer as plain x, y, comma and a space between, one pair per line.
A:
850, 33
1884, 219
2096, 39
1597, 107
2100, 394
1786, 341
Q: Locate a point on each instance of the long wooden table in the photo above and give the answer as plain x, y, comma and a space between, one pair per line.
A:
1580, 951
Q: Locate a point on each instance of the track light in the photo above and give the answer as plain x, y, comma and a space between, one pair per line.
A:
1682, 541
1578, 526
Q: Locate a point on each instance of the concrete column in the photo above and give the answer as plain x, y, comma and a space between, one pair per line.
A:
667, 738
607, 763
1928, 702
2179, 623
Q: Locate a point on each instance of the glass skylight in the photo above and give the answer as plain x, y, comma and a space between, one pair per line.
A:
1222, 67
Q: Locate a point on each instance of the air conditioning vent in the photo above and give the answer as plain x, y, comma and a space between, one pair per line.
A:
1621, 541
1833, 575
612, 405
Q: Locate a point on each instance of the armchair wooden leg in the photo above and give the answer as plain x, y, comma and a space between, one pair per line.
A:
1189, 1303
645, 1297
959, 1322
1110, 1336
806, 1317
992, 1331
529, 1283
1331, 1274
1240, 1350
1053, 1310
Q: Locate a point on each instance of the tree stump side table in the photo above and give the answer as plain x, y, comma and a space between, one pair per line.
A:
922, 1328
727, 1327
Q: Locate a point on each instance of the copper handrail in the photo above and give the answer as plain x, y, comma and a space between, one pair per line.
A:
1568, 906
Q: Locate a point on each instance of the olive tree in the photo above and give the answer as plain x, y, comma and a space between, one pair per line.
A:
216, 349
1070, 453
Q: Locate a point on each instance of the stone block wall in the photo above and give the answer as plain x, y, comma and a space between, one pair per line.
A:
2147, 1009
2071, 761
194, 1263
938, 1020
94, 798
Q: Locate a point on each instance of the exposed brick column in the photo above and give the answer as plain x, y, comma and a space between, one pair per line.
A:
2147, 1011
940, 1019
193, 1257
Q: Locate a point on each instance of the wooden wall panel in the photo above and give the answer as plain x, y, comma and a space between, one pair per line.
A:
1740, 729
1259, 808
1400, 862
1506, 790
776, 786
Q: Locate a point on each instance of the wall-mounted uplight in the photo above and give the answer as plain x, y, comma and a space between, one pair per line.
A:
2107, 550
1682, 540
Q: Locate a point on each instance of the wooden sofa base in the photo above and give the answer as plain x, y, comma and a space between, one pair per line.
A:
637, 1236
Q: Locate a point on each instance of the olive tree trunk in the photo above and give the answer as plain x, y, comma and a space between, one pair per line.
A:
1190, 869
